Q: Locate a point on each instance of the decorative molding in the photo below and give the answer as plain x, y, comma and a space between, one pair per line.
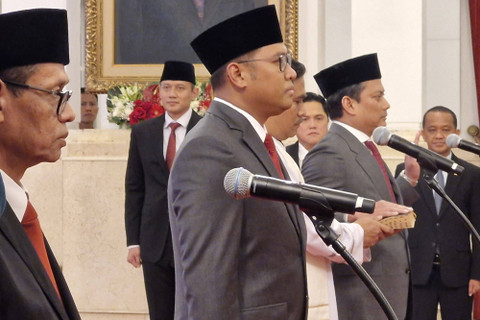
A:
100, 74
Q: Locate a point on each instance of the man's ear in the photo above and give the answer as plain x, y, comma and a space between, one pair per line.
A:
3, 99
195, 92
236, 74
348, 105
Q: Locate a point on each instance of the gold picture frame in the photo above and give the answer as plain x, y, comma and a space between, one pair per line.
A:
101, 71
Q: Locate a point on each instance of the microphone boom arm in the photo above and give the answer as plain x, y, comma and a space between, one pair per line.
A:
322, 221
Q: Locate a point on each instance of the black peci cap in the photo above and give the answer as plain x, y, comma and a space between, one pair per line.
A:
236, 36
178, 70
347, 73
33, 36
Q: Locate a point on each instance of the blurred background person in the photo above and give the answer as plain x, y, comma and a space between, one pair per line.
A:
312, 127
89, 110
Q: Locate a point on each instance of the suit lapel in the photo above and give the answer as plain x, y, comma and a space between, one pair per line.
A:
365, 160
427, 195
451, 187
13, 231
253, 141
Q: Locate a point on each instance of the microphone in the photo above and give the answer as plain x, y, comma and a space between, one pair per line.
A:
382, 136
454, 141
241, 183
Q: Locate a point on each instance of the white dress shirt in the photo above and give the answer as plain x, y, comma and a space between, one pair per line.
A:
322, 300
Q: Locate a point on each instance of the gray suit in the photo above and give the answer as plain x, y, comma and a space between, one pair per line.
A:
342, 162
234, 259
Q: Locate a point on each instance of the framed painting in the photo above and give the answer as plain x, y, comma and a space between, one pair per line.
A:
117, 55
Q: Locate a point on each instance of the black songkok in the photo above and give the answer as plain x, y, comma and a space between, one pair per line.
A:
236, 36
347, 73
33, 36
178, 70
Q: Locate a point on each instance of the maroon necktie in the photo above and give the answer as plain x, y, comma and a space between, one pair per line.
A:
270, 145
373, 148
172, 144
31, 225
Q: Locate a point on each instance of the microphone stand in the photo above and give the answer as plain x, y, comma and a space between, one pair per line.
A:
322, 222
429, 171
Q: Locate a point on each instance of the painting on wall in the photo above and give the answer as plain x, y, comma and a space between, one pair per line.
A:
128, 41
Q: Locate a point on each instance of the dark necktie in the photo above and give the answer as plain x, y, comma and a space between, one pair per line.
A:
270, 145
172, 145
373, 148
200, 5
441, 182
31, 225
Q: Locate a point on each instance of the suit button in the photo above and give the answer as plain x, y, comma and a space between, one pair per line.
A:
438, 224
434, 244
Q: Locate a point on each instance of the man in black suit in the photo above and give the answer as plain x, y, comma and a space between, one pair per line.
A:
34, 111
312, 127
146, 209
444, 268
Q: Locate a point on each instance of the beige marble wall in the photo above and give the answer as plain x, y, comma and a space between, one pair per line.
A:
80, 202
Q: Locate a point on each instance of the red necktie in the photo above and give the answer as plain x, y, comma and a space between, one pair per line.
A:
31, 225
373, 148
270, 145
172, 145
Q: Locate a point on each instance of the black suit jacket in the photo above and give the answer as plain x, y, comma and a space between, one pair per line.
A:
293, 151
459, 263
146, 207
26, 291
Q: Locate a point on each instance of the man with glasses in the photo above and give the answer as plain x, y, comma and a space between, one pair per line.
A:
34, 111
237, 259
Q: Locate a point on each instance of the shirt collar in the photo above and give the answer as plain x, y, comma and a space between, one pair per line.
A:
16, 195
260, 129
361, 136
183, 120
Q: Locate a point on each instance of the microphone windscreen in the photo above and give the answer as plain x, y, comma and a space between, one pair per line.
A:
453, 140
381, 136
237, 183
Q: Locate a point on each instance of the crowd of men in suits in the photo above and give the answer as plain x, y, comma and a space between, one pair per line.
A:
205, 254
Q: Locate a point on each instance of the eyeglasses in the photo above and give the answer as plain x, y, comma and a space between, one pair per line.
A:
64, 94
283, 60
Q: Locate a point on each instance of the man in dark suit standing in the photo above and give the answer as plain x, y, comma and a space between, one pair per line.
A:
346, 159
312, 126
34, 110
445, 270
237, 259
152, 149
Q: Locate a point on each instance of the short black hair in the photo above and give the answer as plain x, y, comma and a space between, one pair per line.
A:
84, 90
312, 96
440, 109
299, 68
334, 101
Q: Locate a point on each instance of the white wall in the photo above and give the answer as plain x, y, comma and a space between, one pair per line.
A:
424, 50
